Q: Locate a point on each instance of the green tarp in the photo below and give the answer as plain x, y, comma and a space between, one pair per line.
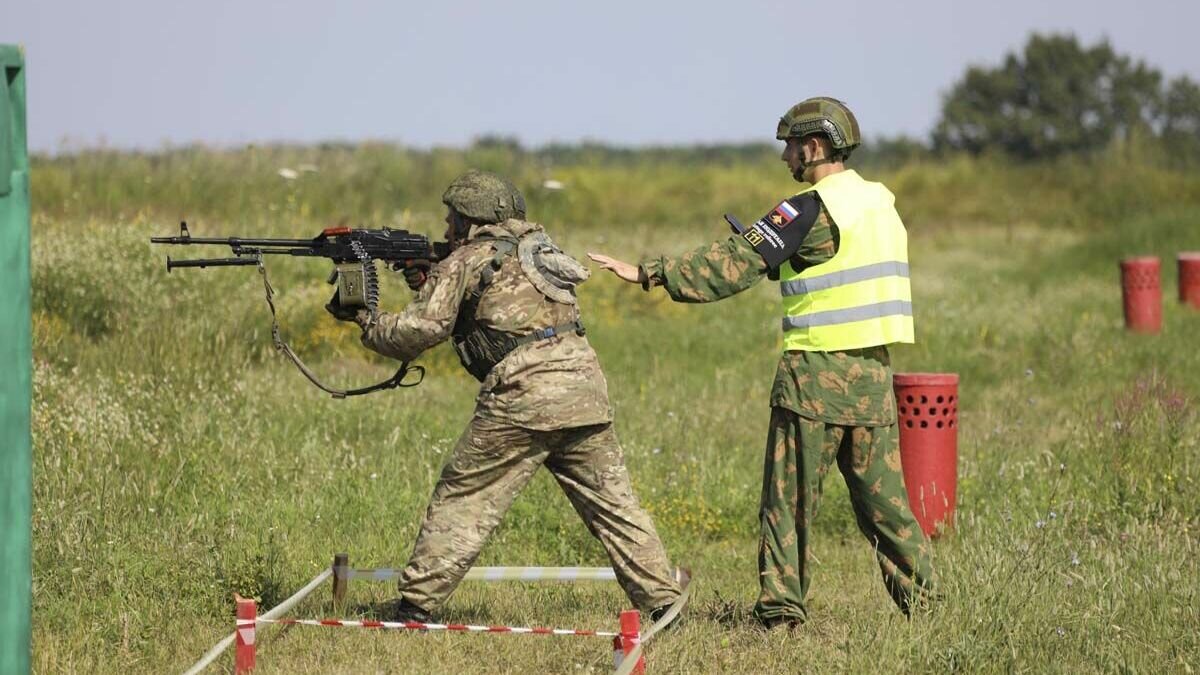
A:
16, 387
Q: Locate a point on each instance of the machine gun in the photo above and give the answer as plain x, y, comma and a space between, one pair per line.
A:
353, 252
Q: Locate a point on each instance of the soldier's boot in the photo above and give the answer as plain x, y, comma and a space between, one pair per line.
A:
683, 577
401, 610
788, 623
659, 612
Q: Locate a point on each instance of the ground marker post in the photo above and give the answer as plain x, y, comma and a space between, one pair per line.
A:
927, 414
631, 635
247, 617
341, 578
1141, 294
1189, 279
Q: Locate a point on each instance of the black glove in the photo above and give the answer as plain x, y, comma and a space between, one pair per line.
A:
416, 273
339, 311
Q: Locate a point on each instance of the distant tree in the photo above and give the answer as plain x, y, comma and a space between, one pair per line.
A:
1181, 119
887, 152
497, 142
1060, 97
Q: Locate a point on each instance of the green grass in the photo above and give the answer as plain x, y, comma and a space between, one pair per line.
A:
178, 459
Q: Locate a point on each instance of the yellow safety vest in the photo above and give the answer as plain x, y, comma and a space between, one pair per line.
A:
860, 297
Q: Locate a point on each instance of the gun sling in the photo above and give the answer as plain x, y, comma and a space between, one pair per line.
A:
396, 380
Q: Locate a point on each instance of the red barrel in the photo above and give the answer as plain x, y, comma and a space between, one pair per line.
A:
928, 407
1142, 294
1189, 279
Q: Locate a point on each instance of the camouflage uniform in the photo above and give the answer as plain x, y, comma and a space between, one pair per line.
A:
546, 403
826, 407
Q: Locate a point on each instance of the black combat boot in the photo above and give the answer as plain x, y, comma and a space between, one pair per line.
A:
789, 623
402, 611
659, 612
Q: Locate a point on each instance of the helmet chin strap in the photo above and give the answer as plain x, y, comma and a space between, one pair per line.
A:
459, 238
798, 174
458, 232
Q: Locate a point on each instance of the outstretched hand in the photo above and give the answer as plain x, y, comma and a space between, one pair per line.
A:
622, 269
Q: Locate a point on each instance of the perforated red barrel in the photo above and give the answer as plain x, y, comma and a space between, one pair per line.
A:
928, 407
1189, 279
1141, 291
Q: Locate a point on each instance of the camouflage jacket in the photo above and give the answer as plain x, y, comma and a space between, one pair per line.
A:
547, 384
853, 388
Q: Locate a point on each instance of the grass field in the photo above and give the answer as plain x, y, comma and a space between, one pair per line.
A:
178, 459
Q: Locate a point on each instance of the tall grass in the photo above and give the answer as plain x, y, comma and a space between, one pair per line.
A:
180, 460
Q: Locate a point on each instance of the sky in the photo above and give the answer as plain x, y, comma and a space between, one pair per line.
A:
150, 73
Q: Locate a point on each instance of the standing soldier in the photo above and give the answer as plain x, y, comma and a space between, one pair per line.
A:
840, 253
506, 298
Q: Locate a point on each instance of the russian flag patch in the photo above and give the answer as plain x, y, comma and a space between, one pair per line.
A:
782, 215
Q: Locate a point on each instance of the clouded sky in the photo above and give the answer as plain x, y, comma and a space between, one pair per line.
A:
141, 73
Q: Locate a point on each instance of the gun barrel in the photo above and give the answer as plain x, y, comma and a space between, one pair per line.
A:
210, 262
232, 241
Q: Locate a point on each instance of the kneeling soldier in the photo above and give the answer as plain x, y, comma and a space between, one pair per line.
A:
506, 298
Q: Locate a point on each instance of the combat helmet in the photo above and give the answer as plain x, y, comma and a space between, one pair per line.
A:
822, 115
485, 197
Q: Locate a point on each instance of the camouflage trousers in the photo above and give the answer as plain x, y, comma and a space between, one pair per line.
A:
491, 464
799, 454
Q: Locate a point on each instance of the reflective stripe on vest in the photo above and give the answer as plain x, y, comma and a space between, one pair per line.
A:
860, 313
861, 296
850, 276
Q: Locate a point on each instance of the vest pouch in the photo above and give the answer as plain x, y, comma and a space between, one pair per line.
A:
480, 350
554, 273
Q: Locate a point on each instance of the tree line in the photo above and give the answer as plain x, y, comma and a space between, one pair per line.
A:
1055, 97
1060, 97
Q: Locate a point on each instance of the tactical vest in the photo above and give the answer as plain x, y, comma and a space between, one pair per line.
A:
480, 347
861, 297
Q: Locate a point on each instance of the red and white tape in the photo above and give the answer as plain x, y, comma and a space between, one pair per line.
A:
493, 573
413, 625
627, 644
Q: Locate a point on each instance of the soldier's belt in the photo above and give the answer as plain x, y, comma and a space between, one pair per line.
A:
481, 350
575, 326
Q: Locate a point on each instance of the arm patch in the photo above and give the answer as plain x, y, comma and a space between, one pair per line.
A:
778, 235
